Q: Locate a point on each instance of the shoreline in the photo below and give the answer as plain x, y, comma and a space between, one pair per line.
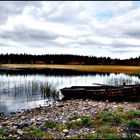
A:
60, 112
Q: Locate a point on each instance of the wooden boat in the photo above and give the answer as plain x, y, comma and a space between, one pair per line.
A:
102, 92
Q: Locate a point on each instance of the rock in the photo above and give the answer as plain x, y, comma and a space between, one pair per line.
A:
138, 135
72, 121
66, 131
86, 108
33, 120
13, 113
68, 136
1, 114
15, 136
19, 131
75, 112
93, 132
10, 135
60, 105
22, 125
23, 117
115, 106
64, 121
79, 120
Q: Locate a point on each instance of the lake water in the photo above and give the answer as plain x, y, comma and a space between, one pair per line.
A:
20, 91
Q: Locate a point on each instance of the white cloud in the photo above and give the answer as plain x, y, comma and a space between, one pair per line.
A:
81, 27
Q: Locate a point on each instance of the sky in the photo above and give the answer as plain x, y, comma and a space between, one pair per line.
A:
89, 28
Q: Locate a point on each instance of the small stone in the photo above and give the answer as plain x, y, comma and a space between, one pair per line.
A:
75, 113
115, 106
13, 113
138, 135
64, 121
10, 135
124, 135
15, 136
86, 108
18, 138
19, 131
60, 105
93, 132
23, 117
1, 114
33, 119
72, 121
79, 120
65, 131
68, 136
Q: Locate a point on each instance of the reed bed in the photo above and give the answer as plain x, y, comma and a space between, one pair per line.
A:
88, 68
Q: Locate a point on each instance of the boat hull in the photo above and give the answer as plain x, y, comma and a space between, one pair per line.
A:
131, 92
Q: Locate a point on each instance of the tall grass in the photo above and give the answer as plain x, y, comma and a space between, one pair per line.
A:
31, 89
88, 68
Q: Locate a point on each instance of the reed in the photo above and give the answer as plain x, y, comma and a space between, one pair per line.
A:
85, 68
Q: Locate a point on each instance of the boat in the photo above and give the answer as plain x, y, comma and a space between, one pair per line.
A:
102, 92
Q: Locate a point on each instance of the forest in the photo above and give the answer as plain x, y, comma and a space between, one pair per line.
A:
65, 59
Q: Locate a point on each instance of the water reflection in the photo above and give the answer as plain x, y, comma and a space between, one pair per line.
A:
17, 95
120, 79
27, 91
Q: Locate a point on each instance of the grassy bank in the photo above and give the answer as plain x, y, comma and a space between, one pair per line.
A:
88, 68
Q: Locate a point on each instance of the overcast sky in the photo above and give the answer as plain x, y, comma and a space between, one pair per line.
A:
94, 28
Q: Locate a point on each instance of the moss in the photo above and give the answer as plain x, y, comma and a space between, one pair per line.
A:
13, 131
133, 124
34, 133
3, 132
48, 136
95, 136
108, 116
106, 135
79, 121
51, 124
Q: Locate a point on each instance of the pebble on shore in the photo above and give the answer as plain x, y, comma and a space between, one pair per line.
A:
60, 112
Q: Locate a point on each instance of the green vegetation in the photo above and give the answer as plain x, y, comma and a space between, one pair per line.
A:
3, 132
95, 136
34, 133
133, 124
54, 125
50, 124
79, 121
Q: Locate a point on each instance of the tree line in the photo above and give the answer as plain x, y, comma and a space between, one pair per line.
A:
65, 59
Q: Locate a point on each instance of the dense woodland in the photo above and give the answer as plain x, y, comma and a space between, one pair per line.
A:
64, 59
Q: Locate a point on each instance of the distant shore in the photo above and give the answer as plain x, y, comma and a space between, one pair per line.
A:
84, 68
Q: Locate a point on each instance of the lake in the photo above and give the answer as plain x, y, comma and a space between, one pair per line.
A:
25, 89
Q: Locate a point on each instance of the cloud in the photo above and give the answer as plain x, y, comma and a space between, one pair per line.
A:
98, 28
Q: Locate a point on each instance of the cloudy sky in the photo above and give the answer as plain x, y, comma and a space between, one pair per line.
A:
94, 28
